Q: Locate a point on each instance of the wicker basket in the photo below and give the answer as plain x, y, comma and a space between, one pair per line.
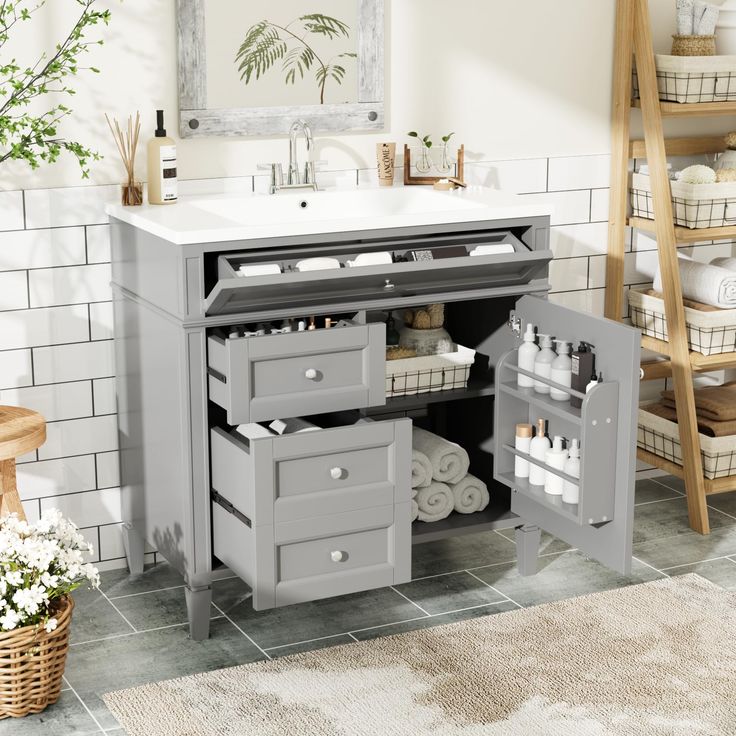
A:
32, 665
693, 45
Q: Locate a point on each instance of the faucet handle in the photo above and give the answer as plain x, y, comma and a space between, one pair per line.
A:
310, 171
277, 175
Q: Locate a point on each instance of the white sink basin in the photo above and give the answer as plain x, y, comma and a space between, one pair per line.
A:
258, 216
324, 206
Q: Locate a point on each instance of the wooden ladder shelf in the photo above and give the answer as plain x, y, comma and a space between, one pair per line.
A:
634, 41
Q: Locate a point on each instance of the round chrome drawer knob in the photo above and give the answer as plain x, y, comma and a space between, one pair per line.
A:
311, 374
337, 473
339, 556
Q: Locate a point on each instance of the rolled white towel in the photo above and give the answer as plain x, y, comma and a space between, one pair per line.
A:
450, 462
435, 502
707, 284
727, 263
414, 510
471, 495
421, 470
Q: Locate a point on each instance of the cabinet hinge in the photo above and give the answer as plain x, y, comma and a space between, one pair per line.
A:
514, 323
225, 504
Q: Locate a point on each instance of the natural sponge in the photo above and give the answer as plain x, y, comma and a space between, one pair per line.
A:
731, 140
725, 175
698, 175
436, 315
422, 320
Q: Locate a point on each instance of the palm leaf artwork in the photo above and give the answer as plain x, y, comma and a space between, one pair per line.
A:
267, 43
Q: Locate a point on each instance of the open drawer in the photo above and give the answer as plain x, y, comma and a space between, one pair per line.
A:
601, 524
396, 284
299, 373
316, 514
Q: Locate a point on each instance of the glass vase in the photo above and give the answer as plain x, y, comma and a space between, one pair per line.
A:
132, 194
447, 163
423, 163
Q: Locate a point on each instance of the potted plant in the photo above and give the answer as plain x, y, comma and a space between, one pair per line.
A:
27, 132
41, 563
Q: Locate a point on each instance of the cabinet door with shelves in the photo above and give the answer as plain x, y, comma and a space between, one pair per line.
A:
601, 523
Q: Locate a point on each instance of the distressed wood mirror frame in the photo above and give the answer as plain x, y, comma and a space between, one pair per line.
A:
195, 119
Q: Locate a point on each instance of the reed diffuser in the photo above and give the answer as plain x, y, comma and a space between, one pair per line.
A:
127, 144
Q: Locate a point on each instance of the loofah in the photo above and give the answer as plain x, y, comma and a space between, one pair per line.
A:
725, 175
397, 353
436, 315
422, 320
698, 175
731, 140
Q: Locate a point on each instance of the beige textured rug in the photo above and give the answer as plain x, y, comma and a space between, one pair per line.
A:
657, 659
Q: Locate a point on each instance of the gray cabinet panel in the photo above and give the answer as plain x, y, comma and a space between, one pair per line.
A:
260, 378
601, 524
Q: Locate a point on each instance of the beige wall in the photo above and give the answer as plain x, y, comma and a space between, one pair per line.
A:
514, 78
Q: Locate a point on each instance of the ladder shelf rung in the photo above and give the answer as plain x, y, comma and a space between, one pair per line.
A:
693, 109
712, 487
699, 362
685, 234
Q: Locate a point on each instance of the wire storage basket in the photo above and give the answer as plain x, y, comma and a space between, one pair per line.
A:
662, 438
710, 331
425, 374
694, 79
695, 206
32, 663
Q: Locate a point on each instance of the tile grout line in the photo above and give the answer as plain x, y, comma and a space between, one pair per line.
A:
495, 590
646, 564
259, 648
406, 598
84, 705
136, 633
104, 595
142, 592
697, 562
306, 641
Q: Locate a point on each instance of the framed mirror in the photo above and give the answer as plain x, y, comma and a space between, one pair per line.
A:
254, 68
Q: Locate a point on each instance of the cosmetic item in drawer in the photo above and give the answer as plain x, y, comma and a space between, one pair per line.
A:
299, 373
279, 479
316, 558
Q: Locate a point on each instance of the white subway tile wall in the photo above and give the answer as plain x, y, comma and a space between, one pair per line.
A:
56, 350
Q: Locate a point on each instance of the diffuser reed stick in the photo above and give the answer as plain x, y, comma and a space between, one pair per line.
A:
127, 145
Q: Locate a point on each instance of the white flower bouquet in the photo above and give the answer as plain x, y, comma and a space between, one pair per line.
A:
40, 563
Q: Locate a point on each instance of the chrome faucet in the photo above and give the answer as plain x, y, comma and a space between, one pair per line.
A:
295, 178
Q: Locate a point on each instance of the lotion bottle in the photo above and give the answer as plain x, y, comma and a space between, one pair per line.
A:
543, 363
555, 457
528, 352
571, 491
538, 450
523, 444
162, 181
561, 371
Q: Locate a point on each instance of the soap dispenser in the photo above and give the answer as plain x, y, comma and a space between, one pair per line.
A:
528, 352
571, 491
538, 450
561, 371
162, 181
543, 363
555, 457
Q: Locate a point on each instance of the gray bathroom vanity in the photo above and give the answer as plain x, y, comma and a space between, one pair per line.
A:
306, 516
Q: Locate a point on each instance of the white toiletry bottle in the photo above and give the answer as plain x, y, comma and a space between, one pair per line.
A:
162, 181
594, 382
555, 457
543, 363
538, 450
571, 491
523, 444
528, 352
561, 371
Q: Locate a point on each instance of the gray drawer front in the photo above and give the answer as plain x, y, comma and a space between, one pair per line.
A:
261, 378
274, 480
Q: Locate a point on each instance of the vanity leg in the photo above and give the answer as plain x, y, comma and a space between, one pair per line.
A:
135, 548
199, 603
528, 539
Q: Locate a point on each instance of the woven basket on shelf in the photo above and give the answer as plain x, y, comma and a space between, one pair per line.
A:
32, 665
694, 46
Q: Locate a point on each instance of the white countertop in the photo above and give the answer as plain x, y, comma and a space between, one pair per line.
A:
222, 218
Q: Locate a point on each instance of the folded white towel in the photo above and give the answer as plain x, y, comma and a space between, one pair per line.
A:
293, 425
492, 250
727, 263
260, 269
414, 510
471, 495
450, 462
253, 431
421, 470
685, 17
707, 284
435, 502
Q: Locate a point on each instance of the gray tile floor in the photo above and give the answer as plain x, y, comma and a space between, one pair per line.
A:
133, 631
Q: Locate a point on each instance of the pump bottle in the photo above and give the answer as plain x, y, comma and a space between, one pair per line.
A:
561, 371
543, 363
528, 352
538, 450
571, 491
162, 181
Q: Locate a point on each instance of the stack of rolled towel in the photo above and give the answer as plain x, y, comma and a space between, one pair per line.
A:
715, 407
713, 284
440, 480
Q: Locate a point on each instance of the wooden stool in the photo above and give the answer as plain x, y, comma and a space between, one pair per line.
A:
21, 430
